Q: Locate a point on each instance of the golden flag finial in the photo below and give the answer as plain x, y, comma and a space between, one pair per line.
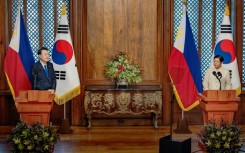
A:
185, 3
227, 11
63, 10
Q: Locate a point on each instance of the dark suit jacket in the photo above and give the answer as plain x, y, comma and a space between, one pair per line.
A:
40, 81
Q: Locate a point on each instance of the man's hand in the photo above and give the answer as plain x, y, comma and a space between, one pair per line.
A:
52, 91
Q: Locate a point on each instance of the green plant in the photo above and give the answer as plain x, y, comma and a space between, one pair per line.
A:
122, 67
32, 139
223, 138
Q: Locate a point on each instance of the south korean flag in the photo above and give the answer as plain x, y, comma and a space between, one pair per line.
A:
63, 59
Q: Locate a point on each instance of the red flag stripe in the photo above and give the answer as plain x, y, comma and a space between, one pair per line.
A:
182, 79
12, 71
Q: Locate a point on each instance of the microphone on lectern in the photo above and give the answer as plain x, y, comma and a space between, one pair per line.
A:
218, 75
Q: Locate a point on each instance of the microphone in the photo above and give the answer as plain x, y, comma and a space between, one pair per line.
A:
35, 73
214, 73
218, 75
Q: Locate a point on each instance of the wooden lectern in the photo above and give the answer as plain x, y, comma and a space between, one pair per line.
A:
217, 104
34, 105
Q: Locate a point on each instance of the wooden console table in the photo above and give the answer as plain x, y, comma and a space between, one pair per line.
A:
134, 100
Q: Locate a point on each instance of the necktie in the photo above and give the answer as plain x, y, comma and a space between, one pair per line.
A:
46, 69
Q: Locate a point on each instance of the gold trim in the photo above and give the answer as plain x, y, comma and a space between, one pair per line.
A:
67, 96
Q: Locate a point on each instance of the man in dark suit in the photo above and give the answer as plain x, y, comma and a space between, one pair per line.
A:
43, 74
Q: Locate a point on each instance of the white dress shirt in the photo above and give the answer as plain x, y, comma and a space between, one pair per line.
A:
43, 64
211, 82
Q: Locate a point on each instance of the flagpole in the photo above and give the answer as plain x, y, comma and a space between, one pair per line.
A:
166, 143
171, 110
185, 3
64, 110
70, 68
182, 124
182, 114
65, 124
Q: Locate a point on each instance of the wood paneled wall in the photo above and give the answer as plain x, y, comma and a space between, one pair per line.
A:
3, 99
121, 26
102, 28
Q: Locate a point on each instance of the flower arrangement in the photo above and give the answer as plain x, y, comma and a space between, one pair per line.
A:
223, 138
122, 67
36, 138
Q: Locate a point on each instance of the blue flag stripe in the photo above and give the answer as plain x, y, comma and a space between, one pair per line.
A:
191, 56
25, 51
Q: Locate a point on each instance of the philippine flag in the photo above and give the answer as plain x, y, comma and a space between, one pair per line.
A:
184, 66
63, 58
225, 47
19, 58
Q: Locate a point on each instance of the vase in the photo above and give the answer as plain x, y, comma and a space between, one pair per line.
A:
122, 83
